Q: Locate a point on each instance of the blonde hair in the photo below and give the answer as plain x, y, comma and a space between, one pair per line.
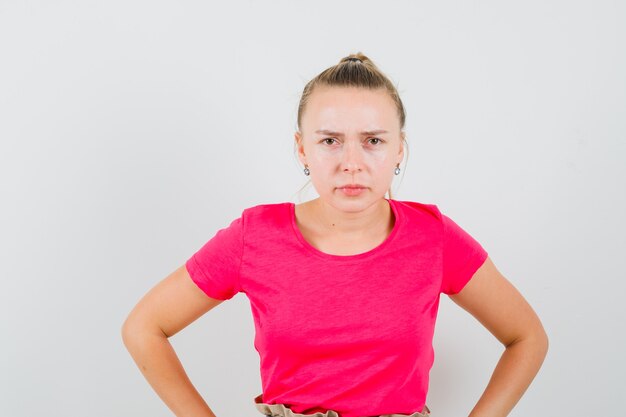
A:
354, 70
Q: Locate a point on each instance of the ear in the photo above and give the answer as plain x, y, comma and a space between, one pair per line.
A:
299, 146
401, 152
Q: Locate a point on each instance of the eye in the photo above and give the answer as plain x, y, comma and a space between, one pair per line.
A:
378, 141
327, 139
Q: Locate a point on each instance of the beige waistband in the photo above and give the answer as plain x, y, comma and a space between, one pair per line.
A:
281, 410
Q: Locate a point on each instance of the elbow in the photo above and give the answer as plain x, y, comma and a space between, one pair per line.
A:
131, 329
545, 343
540, 344
540, 337
126, 331
533, 335
536, 341
134, 330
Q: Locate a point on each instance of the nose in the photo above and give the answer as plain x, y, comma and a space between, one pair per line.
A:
352, 159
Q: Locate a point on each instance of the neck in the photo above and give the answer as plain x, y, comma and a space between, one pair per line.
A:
352, 223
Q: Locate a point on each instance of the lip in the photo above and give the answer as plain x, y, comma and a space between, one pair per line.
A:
352, 186
352, 190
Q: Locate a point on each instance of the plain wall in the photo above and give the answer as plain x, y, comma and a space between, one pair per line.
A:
131, 131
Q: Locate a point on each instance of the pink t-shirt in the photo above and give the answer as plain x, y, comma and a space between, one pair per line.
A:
346, 333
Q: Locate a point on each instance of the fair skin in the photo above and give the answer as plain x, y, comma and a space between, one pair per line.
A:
348, 136
342, 224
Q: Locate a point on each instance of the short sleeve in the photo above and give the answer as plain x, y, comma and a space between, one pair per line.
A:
215, 266
462, 256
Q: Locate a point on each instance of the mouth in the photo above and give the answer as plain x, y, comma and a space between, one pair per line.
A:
352, 189
352, 186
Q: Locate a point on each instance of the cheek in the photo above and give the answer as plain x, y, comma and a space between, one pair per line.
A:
379, 159
322, 159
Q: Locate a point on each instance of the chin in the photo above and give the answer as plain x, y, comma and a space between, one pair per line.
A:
351, 203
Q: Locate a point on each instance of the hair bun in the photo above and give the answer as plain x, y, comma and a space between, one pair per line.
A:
358, 57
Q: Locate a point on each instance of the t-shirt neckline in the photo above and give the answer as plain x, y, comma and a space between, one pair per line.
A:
359, 256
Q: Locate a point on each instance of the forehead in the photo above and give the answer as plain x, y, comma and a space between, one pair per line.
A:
341, 106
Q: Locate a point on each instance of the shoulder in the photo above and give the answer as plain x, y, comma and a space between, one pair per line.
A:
267, 212
417, 209
429, 213
266, 208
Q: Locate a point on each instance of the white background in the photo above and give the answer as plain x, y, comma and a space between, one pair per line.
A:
130, 131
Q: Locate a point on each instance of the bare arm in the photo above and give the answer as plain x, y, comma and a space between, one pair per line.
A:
170, 306
497, 304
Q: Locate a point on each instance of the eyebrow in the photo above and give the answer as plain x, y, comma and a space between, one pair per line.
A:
367, 132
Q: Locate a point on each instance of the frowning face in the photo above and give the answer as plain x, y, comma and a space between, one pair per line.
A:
351, 141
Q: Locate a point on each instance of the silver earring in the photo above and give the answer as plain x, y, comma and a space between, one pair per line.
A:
397, 170
307, 171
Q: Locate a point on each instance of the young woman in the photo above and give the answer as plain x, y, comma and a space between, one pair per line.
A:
344, 289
